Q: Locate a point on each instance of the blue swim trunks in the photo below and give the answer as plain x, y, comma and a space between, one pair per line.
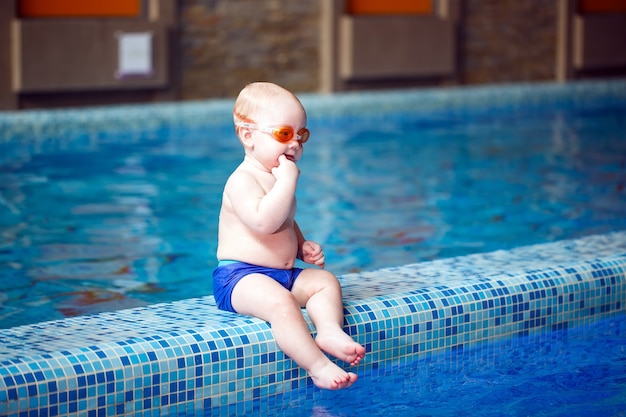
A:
229, 273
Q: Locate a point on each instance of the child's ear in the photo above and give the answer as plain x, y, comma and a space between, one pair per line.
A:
245, 134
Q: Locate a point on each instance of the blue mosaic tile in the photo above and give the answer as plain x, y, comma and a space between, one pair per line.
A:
188, 355
57, 129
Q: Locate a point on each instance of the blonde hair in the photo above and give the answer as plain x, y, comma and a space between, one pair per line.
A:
256, 97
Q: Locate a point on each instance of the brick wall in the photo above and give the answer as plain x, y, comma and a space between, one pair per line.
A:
225, 44
508, 41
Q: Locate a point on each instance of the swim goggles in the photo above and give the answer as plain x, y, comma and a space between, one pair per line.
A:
284, 134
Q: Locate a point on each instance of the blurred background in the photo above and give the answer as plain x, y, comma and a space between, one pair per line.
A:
66, 53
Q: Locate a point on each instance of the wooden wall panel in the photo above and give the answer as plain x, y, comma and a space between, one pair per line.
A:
594, 45
7, 98
64, 55
396, 46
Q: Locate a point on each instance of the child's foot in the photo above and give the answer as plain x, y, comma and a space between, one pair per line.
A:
330, 376
338, 344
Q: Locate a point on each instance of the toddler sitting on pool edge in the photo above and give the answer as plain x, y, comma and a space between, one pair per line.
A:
259, 241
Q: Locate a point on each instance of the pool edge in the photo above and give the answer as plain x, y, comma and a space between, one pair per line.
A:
187, 355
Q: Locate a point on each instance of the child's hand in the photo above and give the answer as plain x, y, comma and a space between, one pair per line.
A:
286, 169
312, 253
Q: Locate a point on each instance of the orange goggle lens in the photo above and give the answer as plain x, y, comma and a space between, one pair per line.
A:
285, 134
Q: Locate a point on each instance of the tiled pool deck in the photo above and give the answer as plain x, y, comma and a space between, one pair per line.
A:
187, 355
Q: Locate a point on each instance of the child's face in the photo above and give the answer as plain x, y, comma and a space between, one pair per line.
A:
286, 113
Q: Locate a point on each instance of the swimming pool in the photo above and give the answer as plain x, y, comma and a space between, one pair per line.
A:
577, 373
134, 215
186, 357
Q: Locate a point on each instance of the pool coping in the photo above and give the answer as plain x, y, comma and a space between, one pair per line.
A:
189, 355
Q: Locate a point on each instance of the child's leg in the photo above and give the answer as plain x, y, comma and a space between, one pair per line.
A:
320, 292
260, 296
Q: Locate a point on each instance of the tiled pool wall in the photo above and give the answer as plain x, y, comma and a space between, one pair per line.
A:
178, 358
53, 129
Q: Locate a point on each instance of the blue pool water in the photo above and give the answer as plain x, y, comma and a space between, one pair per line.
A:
114, 207
129, 222
579, 372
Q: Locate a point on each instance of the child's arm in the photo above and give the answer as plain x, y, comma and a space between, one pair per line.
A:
309, 251
264, 212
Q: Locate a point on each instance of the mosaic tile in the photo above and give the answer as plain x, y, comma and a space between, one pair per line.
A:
87, 127
189, 355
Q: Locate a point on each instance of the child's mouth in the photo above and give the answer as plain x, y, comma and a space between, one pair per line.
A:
291, 158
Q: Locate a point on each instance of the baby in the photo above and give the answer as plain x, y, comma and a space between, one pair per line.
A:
259, 241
